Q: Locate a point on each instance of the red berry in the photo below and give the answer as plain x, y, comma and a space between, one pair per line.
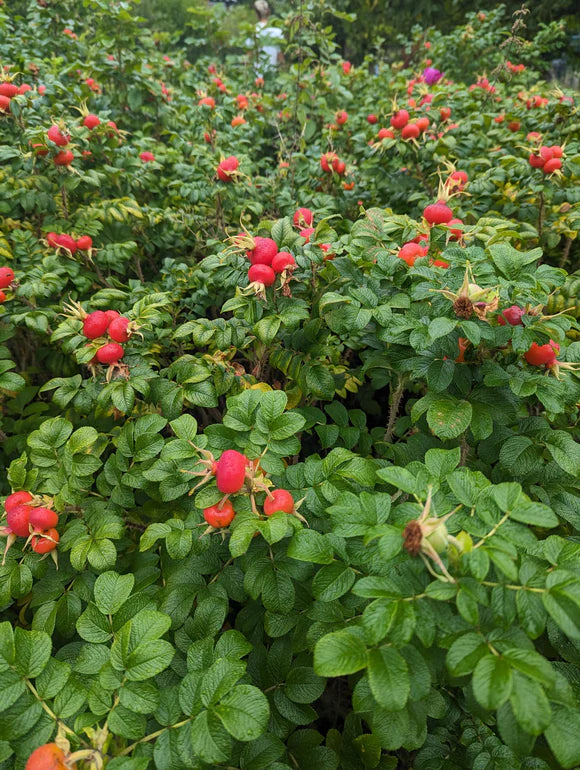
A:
85, 242
422, 124
24, 88
95, 325
557, 151
409, 252
341, 117
264, 251
552, 165
47, 757
118, 329
45, 542
513, 315
227, 167
4, 104
219, 517
536, 161
6, 277
261, 274
91, 121
230, 472
282, 261
303, 218
16, 499
458, 179
66, 242
17, 519
2, 297
325, 248
110, 353
455, 233
281, 500
514, 125
546, 153
438, 213
43, 518
445, 113
147, 157
372, 119
385, 133
400, 119
55, 135
112, 314
307, 233
411, 131
339, 166
8, 89
64, 158
326, 160
542, 355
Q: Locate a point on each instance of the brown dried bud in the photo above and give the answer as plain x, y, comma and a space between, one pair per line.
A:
463, 307
412, 537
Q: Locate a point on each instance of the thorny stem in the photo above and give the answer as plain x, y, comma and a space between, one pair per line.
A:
566, 252
394, 404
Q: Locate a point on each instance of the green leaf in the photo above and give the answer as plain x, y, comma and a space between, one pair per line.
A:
492, 681
33, 652
244, 712
209, 741
219, 679
563, 735
303, 685
388, 678
449, 418
562, 601
465, 653
339, 653
309, 545
537, 514
112, 591
333, 581
441, 327
530, 704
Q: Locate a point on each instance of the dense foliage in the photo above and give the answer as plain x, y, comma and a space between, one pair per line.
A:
288, 401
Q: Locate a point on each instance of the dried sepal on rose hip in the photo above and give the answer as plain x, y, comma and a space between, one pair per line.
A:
471, 298
428, 537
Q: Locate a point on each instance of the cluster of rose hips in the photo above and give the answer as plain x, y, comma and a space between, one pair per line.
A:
330, 162
549, 159
8, 90
6, 281
101, 323
536, 355
267, 262
536, 101
27, 517
484, 84
409, 129
515, 67
64, 241
234, 473
60, 139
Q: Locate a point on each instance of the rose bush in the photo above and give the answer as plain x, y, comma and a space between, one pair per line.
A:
289, 405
